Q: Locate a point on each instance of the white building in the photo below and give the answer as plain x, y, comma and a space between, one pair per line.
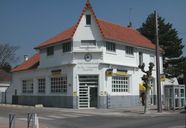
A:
5, 79
92, 64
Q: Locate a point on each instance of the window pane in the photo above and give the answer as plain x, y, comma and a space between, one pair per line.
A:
110, 46
88, 19
67, 47
41, 85
50, 51
129, 50
88, 43
59, 84
120, 84
27, 86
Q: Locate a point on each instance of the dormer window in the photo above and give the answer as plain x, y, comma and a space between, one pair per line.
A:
88, 19
129, 50
67, 47
50, 51
110, 47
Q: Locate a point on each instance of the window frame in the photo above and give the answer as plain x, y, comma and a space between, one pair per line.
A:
87, 43
67, 47
140, 58
28, 86
55, 88
50, 51
88, 19
129, 50
110, 46
120, 84
41, 85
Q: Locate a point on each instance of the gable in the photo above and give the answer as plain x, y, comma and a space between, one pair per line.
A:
99, 29
87, 32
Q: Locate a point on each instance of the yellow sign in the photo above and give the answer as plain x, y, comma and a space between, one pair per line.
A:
120, 74
74, 93
162, 77
141, 87
108, 73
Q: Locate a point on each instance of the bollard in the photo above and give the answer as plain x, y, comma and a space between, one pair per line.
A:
32, 120
35, 121
11, 120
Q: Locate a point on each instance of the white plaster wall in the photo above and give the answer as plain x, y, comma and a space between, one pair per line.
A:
87, 32
17, 78
59, 58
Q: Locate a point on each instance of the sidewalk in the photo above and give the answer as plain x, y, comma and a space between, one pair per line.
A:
130, 111
127, 111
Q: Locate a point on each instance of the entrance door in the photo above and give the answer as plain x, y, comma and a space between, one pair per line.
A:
93, 96
88, 85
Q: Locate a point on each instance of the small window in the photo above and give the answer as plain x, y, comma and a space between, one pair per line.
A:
27, 86
129, 50
110, 46
140, 58
120, 84
88, 19
50, 51
88, 43
152, 59
41, 85
59, 84
67, 47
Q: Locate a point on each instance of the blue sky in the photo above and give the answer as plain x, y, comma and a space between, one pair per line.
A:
26, 23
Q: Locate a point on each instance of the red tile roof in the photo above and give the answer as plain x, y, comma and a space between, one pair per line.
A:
31, 63
66, 35
108, 30
123, 34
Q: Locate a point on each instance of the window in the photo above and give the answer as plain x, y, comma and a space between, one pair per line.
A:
88, 19
59, 84
152, 59
140, 58
67, 47
50, 51
41, 85
27, 86
110, 46
120, 84
88, 43
129, 50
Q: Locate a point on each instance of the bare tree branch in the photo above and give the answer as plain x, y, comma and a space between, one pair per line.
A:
7, 54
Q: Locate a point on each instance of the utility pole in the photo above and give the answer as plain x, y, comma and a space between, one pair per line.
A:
159, 104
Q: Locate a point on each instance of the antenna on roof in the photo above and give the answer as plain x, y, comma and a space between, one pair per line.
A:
130, 22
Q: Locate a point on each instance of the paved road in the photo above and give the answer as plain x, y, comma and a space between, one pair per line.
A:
68, 118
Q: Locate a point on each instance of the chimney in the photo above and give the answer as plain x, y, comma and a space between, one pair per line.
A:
25, 57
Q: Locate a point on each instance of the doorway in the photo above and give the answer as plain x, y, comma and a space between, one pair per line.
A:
93, 96
88, 91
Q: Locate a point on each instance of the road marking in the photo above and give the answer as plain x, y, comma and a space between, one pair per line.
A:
45, 118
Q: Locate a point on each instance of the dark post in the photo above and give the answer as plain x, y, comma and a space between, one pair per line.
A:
159, 105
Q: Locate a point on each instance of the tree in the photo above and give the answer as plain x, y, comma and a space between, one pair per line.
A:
168, 39
146, 79
7, 56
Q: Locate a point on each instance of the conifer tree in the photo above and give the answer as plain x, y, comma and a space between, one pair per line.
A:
168, 39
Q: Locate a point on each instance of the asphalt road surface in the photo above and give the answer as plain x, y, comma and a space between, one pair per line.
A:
70, 119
